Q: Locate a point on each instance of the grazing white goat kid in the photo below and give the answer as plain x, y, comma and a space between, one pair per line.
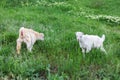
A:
29, 37
87, 42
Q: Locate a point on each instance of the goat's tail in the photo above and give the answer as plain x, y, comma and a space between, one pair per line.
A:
103, 37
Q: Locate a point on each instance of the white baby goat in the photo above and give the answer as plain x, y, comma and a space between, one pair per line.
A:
87, 42
29, 37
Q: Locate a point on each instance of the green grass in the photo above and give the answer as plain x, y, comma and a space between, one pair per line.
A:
59, 56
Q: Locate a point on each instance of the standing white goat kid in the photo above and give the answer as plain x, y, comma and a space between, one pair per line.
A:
87, 42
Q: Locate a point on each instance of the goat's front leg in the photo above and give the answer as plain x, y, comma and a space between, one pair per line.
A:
83, 51
29, 46
18, 47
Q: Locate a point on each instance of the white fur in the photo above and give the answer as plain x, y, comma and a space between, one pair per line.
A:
87, 42
29, 37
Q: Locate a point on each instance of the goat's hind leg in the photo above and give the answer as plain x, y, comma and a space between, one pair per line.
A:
18, 47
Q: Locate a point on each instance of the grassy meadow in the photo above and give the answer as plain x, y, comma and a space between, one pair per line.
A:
59, 56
